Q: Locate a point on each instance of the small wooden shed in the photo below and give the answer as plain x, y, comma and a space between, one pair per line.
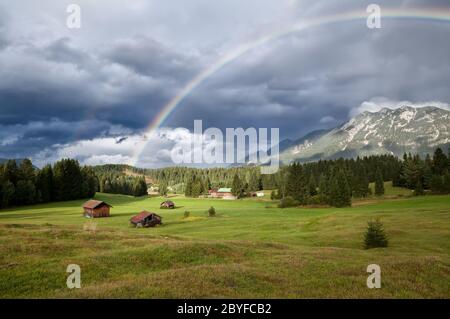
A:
96, 208
146, 219
167, 204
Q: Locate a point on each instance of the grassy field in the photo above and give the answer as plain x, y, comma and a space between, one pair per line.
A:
250, 249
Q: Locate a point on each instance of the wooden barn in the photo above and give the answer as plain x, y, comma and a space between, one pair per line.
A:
167, 204
224, 193
146, 219
96, 208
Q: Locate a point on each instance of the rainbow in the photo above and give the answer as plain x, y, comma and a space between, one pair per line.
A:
429, 15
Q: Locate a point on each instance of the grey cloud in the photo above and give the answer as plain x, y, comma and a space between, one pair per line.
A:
150, 58
123, 73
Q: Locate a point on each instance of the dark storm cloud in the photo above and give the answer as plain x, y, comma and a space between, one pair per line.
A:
59, 86
325, 72
148, 57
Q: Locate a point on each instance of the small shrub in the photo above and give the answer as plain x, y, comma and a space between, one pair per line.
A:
211, 212
375, 236
187, 214
288, 201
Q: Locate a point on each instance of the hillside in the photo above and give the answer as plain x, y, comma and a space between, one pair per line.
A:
251, 249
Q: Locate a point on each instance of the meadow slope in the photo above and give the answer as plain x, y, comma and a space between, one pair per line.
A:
250, 249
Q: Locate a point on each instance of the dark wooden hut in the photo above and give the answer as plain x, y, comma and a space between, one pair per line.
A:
96, 208
167, 204
146, 219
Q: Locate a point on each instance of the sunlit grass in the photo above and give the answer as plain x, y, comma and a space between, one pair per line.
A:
250, 249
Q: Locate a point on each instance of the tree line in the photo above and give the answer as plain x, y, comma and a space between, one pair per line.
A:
431, 173
336, 182
113, 180
120, 184
23, 184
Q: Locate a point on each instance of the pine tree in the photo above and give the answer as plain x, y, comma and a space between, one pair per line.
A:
375, 235
324, 189
8, 191
90, 182
361, 182
340, 194
446, 183
312, 186
26, 171
296, 185
25, 192
418, 190
44, 184
379, 184
440, 162
411, 172
188, 187
437, 184
68, 180
237, 187
11, 172
254, 183
162, 189
427, 172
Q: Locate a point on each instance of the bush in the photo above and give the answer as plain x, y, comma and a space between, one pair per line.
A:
288, 201
211, 212
375, 236
186, 214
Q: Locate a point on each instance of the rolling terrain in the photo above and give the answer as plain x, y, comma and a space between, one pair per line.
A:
251, 249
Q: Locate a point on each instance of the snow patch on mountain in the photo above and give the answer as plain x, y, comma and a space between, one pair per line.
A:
388, 131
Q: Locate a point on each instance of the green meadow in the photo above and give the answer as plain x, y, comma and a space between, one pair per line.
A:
251, 249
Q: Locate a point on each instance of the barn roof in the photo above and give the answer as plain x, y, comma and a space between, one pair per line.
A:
141, 216
168, 202
94, 204
224, 190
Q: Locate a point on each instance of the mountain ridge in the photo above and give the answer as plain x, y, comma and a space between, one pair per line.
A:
387, 131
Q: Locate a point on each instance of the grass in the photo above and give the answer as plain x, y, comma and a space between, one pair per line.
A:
249, 249
392, 191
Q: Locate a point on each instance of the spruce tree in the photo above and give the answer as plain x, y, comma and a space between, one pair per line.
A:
379, 184
8, 191
340, 193
254, 182
324, 189
162, 189
25, 192
237, 187
439, 162
26, 171
312, 186
11, 172
296, 185
44, 184
437, 184
446, 182
418, 190
375, 235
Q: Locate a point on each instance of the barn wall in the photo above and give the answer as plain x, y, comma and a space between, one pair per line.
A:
101, 211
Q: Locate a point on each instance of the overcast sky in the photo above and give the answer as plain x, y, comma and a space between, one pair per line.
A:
89, 93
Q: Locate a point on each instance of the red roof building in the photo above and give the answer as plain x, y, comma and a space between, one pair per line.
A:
96, 208
146, 219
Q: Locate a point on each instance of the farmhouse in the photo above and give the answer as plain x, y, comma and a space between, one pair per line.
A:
167, 204
96, 208
146, 219
224, 193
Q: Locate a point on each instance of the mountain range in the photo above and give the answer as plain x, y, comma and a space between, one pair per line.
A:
388, 131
